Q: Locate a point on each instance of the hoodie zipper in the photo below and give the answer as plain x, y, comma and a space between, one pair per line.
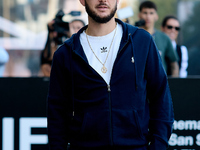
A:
110, 103
109, 90
110, 109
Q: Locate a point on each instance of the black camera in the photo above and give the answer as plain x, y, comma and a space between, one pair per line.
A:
140, 23
62, 27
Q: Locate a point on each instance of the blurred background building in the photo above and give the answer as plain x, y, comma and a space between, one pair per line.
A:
23, 29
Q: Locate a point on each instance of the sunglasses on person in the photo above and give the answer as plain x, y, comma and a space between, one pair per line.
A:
171, 27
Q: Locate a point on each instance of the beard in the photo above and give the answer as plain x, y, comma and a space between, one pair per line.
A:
96, 17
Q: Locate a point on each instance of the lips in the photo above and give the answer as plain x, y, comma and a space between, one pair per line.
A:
103, 7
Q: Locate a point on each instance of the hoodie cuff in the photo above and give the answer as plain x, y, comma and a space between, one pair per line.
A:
156, 144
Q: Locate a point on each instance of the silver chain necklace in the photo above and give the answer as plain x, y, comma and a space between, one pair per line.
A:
103, 69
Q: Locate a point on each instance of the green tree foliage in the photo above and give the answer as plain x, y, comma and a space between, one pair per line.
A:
191, 38
191, 30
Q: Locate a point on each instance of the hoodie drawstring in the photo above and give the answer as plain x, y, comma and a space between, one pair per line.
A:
133, 61
72, 81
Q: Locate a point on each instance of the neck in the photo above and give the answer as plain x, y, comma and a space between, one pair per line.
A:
150, 30
100, 29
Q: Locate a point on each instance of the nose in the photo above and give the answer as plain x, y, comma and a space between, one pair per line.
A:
173, 29
148, 16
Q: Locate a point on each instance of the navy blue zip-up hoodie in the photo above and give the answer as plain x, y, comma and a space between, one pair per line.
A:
134, 110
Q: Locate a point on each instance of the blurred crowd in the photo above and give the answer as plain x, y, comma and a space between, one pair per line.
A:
174, 56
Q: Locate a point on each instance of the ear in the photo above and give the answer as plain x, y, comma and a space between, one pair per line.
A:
139, 15
156, 17
162, 28
82, 2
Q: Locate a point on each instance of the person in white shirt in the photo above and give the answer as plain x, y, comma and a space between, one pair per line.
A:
171, 27
4, 57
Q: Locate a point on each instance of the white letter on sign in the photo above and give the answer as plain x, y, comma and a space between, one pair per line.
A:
198, 140
26, 139
8, 133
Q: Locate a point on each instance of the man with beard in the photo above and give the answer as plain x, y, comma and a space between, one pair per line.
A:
108, 89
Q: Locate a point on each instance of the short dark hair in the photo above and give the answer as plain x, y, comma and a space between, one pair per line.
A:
147, 4
164, 22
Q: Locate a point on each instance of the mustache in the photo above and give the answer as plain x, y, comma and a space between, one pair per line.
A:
102, 4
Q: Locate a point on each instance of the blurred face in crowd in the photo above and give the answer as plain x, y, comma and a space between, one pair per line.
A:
101, 11
75, 26
150, 16
172, 28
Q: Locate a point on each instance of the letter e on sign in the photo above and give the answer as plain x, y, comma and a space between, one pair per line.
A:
26, 139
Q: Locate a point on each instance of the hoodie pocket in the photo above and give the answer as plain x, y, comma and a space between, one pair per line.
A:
94, 128
127, 128
138, 124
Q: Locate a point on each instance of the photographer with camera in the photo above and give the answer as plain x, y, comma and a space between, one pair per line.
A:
58, 32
